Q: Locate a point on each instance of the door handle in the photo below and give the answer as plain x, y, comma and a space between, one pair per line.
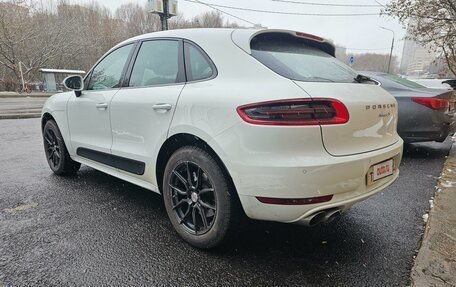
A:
162, 107
102, 106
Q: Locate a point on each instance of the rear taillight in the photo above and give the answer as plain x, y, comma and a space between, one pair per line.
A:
433, 103
295, 112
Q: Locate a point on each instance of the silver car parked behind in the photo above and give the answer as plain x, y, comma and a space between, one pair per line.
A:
424, 114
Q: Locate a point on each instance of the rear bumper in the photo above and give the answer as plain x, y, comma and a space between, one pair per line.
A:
298, 214
419, 124
343, 177
431, 133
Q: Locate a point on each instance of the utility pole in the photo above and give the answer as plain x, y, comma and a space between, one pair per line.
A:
163, 8
22, 75
164, 16
392, 46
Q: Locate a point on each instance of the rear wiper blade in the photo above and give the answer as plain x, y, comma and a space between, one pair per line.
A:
362, 79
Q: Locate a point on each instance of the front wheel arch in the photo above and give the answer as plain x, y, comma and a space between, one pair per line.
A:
45, 118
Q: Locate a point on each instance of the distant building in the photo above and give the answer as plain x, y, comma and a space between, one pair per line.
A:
416, 59
422, 62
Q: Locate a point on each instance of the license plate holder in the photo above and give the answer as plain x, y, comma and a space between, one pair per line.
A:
380, 170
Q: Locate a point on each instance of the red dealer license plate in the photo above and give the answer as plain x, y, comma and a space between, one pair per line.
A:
380, 170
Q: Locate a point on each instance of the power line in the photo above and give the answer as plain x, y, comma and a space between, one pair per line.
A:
221, 11
365, 49
282, 12
328, 4
379, 3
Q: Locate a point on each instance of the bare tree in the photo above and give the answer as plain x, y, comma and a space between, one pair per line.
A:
432, 23
211, 19
368, 61
61, 34
31, 36
135, 20
374, 62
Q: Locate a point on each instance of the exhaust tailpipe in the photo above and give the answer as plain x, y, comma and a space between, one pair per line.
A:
331, 215
324, 216
314, 219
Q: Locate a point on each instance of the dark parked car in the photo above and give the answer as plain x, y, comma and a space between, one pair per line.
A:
451, 82
424, 114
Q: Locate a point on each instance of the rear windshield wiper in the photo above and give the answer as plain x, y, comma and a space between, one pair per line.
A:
363, 79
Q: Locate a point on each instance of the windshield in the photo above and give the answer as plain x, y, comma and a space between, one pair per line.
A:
299, 61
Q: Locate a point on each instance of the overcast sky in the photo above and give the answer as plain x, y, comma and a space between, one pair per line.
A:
357, 32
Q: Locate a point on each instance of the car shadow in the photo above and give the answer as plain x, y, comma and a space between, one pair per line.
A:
427, 149
319, 254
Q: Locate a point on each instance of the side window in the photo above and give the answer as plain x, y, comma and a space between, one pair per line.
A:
157, 63
107, 74
197, 64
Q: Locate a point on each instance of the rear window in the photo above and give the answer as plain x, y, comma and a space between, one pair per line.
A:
402, 81
299, 60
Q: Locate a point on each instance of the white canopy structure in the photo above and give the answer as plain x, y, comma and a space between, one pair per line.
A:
62, 71
49, 76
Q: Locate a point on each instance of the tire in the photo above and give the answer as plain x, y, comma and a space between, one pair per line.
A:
57, 155
210, 194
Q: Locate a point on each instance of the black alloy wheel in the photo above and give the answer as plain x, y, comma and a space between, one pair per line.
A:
57, 155
52, 148
200, 200
194, 200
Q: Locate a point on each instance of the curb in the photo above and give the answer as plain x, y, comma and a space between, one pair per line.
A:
26, 96
435, 263
19, 116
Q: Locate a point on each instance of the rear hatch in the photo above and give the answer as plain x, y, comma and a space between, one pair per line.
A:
309, 62
372, 117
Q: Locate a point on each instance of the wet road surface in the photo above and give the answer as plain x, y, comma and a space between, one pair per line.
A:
93, 229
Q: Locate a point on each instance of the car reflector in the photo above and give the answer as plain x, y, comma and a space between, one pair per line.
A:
295, 201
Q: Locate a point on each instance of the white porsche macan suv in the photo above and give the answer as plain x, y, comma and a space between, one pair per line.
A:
224, 122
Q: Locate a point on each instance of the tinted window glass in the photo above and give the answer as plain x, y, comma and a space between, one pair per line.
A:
299, 61
157, 63
107, 74
198, 66
402, 81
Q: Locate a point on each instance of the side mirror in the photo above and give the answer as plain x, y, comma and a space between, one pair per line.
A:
74, 83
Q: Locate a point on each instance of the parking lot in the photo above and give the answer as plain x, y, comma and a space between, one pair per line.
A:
93, 229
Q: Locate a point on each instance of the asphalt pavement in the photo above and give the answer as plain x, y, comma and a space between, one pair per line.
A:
95, 230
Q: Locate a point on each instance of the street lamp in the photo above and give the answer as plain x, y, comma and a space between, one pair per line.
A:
392, 46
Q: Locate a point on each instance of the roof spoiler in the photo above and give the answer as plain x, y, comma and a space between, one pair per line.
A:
243, 37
